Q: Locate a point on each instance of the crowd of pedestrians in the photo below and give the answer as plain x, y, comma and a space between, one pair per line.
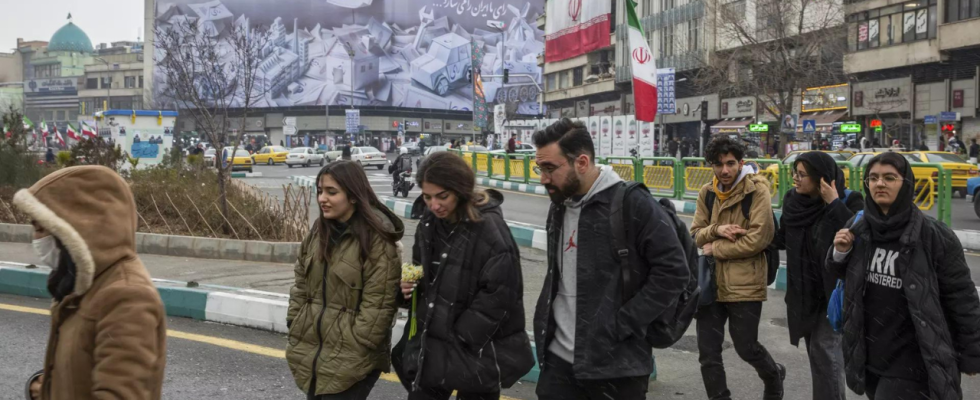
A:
880, 293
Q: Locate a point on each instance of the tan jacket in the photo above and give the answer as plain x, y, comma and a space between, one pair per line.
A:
741, 265
108, 337
354, 336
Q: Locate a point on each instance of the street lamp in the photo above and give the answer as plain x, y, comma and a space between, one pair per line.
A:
108, 89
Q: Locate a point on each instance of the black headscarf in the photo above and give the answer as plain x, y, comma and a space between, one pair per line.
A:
801, 210
886, 228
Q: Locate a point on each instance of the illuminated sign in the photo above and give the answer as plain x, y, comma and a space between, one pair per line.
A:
758, 128
875, 123
949, 127
850, 128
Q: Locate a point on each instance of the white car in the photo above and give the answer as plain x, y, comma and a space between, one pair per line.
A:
304, 156
209, 156
366, 156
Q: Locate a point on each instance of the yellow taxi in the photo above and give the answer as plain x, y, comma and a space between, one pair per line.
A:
960, 169
271, 155
241, 161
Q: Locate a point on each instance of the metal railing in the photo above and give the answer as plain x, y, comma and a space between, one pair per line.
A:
683, 178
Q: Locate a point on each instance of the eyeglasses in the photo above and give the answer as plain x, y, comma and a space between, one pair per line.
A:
887, 179
798, 175
548, 170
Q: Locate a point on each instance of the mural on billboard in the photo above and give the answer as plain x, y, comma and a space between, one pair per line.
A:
401, 53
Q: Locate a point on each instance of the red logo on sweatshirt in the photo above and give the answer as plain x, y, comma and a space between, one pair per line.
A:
571, 242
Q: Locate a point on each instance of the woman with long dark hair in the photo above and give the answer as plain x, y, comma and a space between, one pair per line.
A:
344, 300
911, 313
813, 211
470, 333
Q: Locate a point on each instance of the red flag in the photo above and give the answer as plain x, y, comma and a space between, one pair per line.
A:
71, 133
88, 131
57, 136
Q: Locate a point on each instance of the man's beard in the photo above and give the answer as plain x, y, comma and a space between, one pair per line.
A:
565, 191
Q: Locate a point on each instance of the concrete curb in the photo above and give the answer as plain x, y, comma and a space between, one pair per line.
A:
187, 246
226, 305
246, 174
525, 235
507, 185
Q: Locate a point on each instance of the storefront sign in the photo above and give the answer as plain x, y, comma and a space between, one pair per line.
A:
882, 97
958, 98
51, 86
738, 107
825, 98
850, 128
758, 128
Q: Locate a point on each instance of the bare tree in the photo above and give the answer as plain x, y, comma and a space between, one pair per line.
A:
209, 76
774, 49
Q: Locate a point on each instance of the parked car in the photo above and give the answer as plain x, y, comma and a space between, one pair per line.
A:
209, 156
304, 156
241, 161
953, 163
412, 147
366, 156
473, 147
271, 155
332, 155
521, 148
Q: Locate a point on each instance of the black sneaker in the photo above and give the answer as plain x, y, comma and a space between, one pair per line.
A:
774, 388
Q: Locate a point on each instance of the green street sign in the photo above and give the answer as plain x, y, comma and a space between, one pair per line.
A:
758, 128
850, 128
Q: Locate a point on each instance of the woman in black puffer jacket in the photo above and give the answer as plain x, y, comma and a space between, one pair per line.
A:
470, 312
911, 312
813, 212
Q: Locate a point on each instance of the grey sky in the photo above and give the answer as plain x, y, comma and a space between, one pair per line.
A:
103, 20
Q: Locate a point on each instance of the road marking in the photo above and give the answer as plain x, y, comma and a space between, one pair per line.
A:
214, 341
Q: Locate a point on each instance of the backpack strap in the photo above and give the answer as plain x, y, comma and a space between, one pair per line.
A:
747, 207
617, 224
709, 201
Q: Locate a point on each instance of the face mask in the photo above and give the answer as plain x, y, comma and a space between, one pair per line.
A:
47, 250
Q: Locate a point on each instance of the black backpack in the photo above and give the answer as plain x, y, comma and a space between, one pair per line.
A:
668, 329
771, 252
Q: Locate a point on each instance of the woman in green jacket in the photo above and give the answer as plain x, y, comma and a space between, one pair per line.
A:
344, 300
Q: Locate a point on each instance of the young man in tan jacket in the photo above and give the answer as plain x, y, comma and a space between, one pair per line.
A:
722, 231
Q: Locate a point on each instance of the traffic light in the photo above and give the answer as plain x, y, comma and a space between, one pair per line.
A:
506, 75
704, 110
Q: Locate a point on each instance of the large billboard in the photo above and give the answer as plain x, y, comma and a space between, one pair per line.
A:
396, 53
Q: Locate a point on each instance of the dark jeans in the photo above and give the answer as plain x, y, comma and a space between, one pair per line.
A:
743, 325
886, 388
359, 391
558, 382
444, 394
823, 346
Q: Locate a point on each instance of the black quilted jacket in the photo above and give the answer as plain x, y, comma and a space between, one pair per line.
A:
942, 301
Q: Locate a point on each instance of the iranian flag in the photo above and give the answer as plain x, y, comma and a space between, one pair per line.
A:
88, 131
44, 130
57, 136
72, 133
6, 131
644, 68
28, 125
576, 27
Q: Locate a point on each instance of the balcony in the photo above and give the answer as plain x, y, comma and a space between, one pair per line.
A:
914, 53
959, 34
588, 89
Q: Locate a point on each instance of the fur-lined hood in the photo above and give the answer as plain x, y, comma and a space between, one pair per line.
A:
91, 210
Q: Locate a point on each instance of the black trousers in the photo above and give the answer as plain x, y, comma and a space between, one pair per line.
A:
359, 391
444, 394
886, 388
743, 325
558, 382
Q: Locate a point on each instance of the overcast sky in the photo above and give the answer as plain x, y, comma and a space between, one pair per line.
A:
103, 20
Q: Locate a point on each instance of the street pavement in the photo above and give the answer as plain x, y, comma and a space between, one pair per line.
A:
213, 367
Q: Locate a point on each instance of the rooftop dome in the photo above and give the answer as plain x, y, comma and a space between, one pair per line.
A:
70, 38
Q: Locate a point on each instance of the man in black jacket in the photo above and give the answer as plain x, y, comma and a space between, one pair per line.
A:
590, 343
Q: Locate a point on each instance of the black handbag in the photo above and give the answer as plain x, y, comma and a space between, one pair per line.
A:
706, 280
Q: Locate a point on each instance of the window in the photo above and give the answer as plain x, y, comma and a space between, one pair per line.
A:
60, 114
667, 41
577, 76
130, 81
106, 82
693, 35
734, 10
551, 82
92, 83
894, 25
563, 79
49, 115
141, 82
